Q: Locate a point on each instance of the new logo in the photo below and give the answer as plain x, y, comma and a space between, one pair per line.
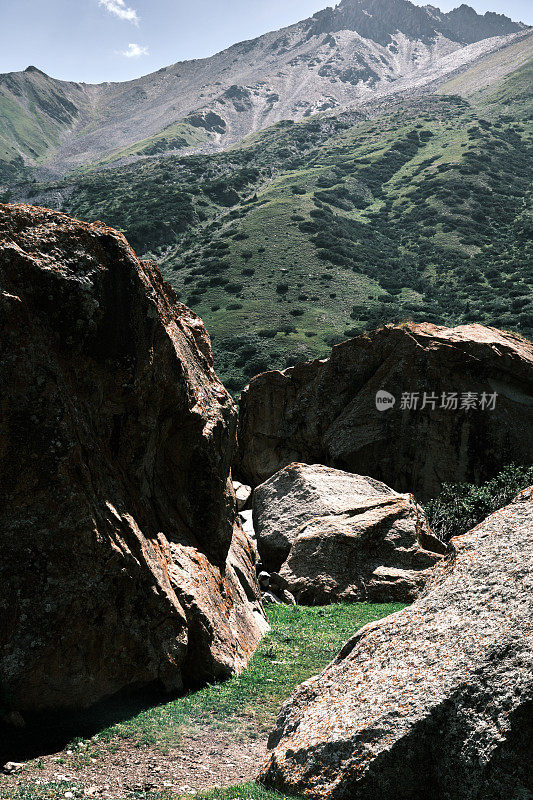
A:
384, 400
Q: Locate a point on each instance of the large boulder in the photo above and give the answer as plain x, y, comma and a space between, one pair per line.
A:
434, 701
478, 413
122, 562
296, 494
332, 536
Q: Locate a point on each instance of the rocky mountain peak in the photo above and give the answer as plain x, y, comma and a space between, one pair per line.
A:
380, 20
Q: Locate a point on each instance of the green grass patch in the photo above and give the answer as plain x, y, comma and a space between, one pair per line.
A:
301, 643
57, 791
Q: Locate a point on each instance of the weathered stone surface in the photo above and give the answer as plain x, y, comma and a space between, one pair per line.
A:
434, 701
271, 599
295, 495
243, 494
122, 563
248, 523
371, 553
325, 411
331, 536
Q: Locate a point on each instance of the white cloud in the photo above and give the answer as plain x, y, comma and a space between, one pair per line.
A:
120, 9
134, 51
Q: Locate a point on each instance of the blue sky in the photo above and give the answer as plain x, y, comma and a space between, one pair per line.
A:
99, 40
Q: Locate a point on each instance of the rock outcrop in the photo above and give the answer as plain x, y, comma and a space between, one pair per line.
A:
122, 562
433, 701
336, 537
473, 391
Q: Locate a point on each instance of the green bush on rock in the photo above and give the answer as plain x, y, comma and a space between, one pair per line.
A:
461, 506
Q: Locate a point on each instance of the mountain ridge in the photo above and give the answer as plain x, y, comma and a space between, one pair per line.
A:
463, 24
292, 73
306, 233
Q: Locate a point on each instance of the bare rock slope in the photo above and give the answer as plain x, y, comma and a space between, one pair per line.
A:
121, 563
477, 415
433, 701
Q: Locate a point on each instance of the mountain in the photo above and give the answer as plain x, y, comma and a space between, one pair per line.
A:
381, 22
413, 204
341, 58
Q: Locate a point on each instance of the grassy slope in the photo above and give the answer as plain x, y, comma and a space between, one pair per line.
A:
33, 115
179, 136
307, 233
301, 643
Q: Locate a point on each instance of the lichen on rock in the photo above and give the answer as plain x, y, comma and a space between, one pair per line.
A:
123, 563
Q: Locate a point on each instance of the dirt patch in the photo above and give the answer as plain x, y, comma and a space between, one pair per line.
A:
205, 759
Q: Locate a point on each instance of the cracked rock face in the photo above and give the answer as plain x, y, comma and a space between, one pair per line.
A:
122, 564
325, 411
336, 537
433, 701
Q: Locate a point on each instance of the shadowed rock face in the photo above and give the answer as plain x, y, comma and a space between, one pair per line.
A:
434, 701
121, 561
325, 411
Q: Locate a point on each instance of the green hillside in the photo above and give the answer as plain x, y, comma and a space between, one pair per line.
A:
34, 113
308, 233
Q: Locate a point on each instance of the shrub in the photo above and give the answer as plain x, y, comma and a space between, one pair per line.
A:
234, 288
334, 338
256, 365
233, 384
461, 506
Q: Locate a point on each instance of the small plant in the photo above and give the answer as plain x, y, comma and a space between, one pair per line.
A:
461, 506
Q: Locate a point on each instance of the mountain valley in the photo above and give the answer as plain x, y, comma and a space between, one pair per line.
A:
288, 220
